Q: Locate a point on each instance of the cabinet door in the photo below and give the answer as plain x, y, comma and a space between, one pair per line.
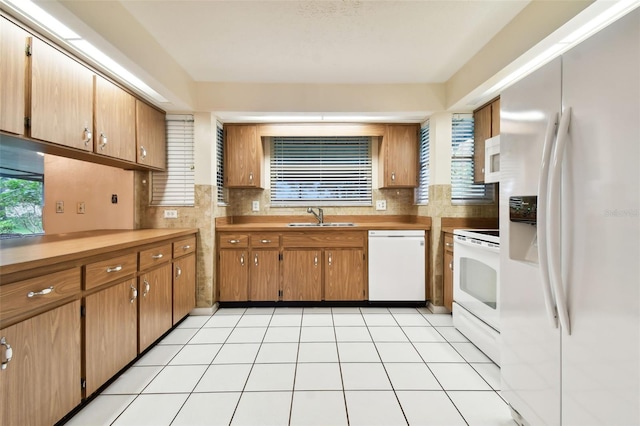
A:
495, 118
243, 156
115, 121
154, 295
184, 286
447, 277
61, 98
343, 274
401, 156
110, 332
151, 136
12, 77
234, 276
264, 275
481, 132
42, 381
302, 275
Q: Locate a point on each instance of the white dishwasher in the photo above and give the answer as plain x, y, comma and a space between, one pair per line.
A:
396, 266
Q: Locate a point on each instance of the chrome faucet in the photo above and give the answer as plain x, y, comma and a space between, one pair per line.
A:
319, 216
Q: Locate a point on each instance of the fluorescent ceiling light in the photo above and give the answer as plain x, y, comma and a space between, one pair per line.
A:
42, 18
618, 9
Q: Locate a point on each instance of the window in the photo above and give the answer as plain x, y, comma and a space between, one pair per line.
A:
422, 192
326, 171
222, 199
462, 187
175, 187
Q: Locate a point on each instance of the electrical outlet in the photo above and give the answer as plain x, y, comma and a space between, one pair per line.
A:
59, 206
80, 209
171, 214
255, 206
381, 204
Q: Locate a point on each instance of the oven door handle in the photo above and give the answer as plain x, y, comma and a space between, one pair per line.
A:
468, 242
543, 189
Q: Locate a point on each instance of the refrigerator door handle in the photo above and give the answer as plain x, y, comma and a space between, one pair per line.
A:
553, 220
543, 188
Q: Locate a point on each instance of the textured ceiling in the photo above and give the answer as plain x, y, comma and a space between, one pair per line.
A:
323, 41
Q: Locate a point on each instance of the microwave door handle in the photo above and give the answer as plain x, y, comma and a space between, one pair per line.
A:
484, 246
554, 220
543, 183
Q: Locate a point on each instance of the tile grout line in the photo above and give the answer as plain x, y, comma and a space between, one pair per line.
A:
295, 371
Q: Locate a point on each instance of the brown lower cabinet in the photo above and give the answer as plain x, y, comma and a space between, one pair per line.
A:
154, 305
234, 276
302, 275
110, 332
344, 274
41, 383
264, 275
184, 286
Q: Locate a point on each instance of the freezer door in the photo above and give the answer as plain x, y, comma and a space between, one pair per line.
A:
601, 228
530, 345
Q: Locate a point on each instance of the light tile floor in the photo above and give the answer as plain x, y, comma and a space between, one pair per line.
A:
311, 366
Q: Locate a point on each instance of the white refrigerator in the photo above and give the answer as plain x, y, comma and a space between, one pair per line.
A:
570, 293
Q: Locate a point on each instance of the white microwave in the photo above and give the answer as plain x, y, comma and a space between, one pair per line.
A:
492, 160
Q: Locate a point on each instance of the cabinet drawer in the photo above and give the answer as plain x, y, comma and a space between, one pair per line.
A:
448, 242
234, 241
186, 246
266, 240
323, 239
155, 256
34, 293
109, 270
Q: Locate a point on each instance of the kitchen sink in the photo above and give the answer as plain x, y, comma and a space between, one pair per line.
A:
316, 225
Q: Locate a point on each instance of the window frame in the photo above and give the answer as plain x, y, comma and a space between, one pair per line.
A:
421, 194
222, 194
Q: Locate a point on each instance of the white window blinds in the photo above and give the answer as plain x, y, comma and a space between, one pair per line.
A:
220, 164
462, 165
322, 171
175, 187
422, 192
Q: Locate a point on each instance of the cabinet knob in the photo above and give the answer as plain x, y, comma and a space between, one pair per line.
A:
451, 265
250, 176
315, 260
8, 353
393, 176
143, 152
255, 259
40, 293
103, 140
178, 272
134, 294
330, 259
87, 136
147, 288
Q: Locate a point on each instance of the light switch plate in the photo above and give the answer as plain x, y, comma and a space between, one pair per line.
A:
171, 214
255, 206
59, 206
81, 207
381, 204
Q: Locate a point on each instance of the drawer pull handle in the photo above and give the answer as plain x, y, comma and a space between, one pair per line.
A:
8, 353
147, 288
451, 265
255, 259
114, 269
143, 152
103, 140
250, 176
315, 260
157, 256
393, 176
265, 241
178, 272
330, 259
234, 241
134, 294
41, 292
187, 247
242, 260
448, 244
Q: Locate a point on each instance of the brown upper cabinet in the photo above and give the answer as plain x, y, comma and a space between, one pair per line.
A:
398, 157
486, 125
13, 41
151, 136
61, 98
115, 120
243, 156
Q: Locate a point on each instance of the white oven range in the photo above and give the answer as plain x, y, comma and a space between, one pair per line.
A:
476, 287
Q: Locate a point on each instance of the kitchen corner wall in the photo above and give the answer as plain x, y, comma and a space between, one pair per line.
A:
73, 181
440, 206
